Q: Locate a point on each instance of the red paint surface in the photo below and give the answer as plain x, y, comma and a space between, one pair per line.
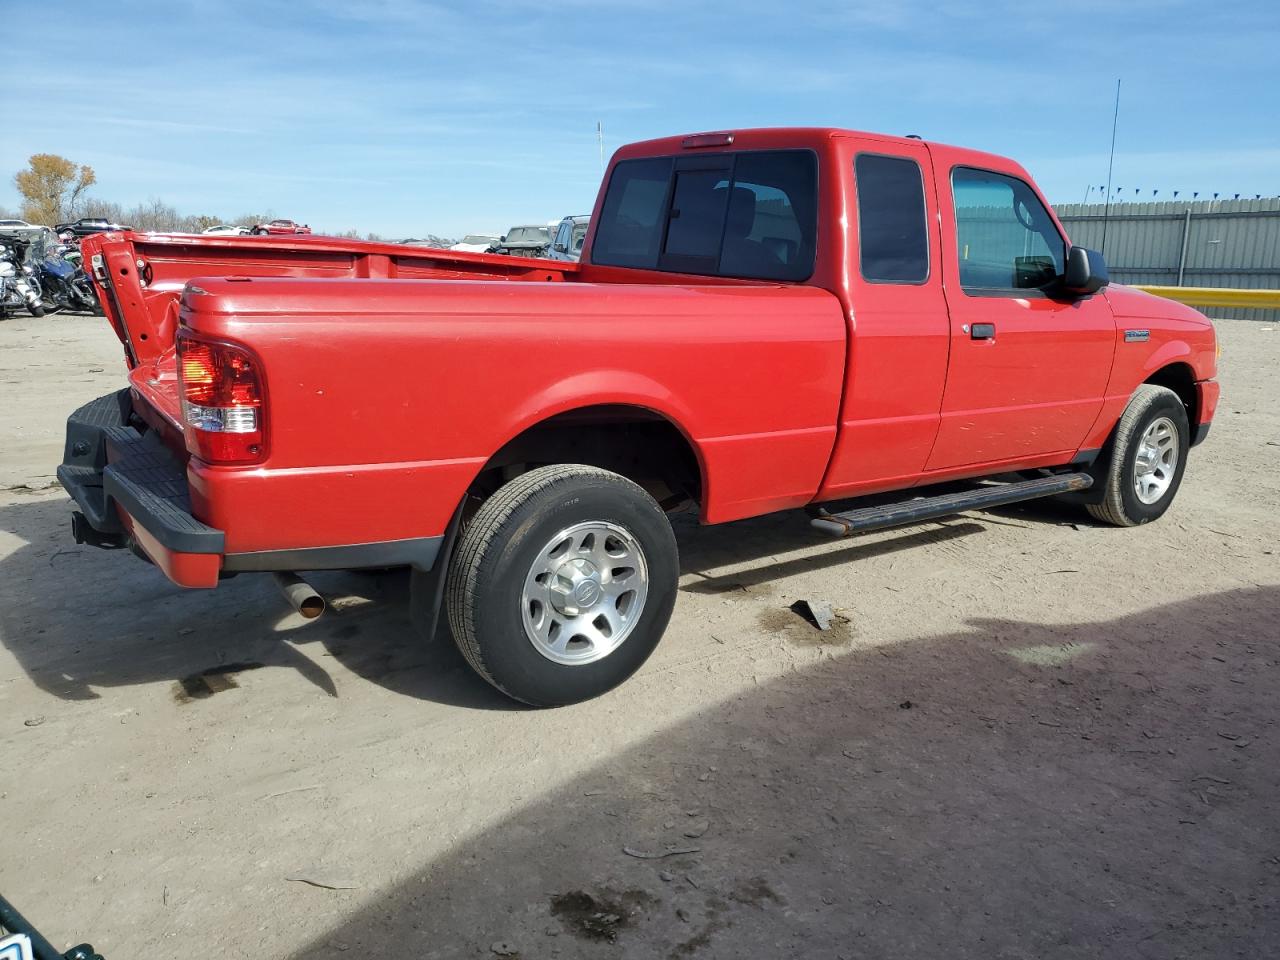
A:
184, 569
394, 373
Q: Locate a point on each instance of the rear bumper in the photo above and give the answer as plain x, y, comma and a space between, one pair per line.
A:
132, 490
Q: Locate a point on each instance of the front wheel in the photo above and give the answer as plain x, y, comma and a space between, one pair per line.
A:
84, 297
562, 584
1148, 456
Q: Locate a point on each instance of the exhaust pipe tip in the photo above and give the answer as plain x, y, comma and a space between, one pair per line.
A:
303, 597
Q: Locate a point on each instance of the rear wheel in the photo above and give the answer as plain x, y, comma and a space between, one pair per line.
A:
1148, 457
562, 584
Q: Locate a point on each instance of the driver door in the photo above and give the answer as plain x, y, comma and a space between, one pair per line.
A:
1027, 370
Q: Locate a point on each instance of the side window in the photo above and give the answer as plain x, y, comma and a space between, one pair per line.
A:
1004, 236
633, 215
562, 237
893, 236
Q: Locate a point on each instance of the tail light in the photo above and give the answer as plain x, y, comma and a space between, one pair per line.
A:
222, 392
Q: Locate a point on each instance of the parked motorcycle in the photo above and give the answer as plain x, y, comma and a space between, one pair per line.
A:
63, 282
19, 284
56, 265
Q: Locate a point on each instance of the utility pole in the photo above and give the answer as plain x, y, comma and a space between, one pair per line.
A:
600, 140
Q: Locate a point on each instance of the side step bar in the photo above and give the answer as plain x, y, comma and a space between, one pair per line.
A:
930, 508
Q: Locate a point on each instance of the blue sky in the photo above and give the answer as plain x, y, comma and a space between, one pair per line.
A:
407, 118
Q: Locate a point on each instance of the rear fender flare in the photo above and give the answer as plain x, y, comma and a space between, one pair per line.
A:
596, 388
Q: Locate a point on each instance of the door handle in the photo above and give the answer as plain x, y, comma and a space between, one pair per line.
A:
982, 331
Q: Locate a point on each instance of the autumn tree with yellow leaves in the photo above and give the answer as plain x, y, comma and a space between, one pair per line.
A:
51, 187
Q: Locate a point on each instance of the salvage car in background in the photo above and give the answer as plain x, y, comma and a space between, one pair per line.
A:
280, 228
527, 240
477, 243
569, 237
87, 226
226, 230
20, 229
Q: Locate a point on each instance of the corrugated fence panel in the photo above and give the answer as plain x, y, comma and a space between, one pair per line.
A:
1229, 243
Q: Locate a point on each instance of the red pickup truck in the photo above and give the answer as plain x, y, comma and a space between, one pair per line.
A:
277, 228
761, 320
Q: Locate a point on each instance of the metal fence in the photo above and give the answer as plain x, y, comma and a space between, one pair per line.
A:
1202, 243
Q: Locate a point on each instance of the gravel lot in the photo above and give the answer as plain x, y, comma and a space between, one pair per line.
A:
1032, 737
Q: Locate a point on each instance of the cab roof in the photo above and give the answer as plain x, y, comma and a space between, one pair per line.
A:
775, 138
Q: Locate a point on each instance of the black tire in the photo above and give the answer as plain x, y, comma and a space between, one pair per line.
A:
1120, 503
84, 296
36, 310
497, 551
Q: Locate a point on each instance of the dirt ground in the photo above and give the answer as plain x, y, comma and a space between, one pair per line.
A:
1032, 737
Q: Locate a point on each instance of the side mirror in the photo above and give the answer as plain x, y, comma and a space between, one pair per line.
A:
1086, 272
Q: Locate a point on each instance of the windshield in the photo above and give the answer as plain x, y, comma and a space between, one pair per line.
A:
529, 234
42, 245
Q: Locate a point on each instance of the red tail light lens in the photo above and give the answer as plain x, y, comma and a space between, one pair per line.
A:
222, 400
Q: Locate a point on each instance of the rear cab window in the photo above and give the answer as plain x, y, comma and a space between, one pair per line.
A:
746, 214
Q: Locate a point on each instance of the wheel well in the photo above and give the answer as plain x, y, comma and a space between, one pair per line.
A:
641, 445
1179, 378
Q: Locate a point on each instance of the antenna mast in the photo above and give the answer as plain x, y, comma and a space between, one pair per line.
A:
1106, 211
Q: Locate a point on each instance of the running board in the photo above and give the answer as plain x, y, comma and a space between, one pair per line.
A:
930, 508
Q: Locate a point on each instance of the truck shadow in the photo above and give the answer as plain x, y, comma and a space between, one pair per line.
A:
1011, 789
749, 541
77, 618
762, 538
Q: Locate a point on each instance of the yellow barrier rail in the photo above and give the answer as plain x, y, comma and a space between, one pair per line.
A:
1217, 296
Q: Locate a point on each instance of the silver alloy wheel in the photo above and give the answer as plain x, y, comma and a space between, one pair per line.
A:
584, 593
1156, 461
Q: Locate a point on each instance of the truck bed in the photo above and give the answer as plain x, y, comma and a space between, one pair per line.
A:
394, 373
141, 275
